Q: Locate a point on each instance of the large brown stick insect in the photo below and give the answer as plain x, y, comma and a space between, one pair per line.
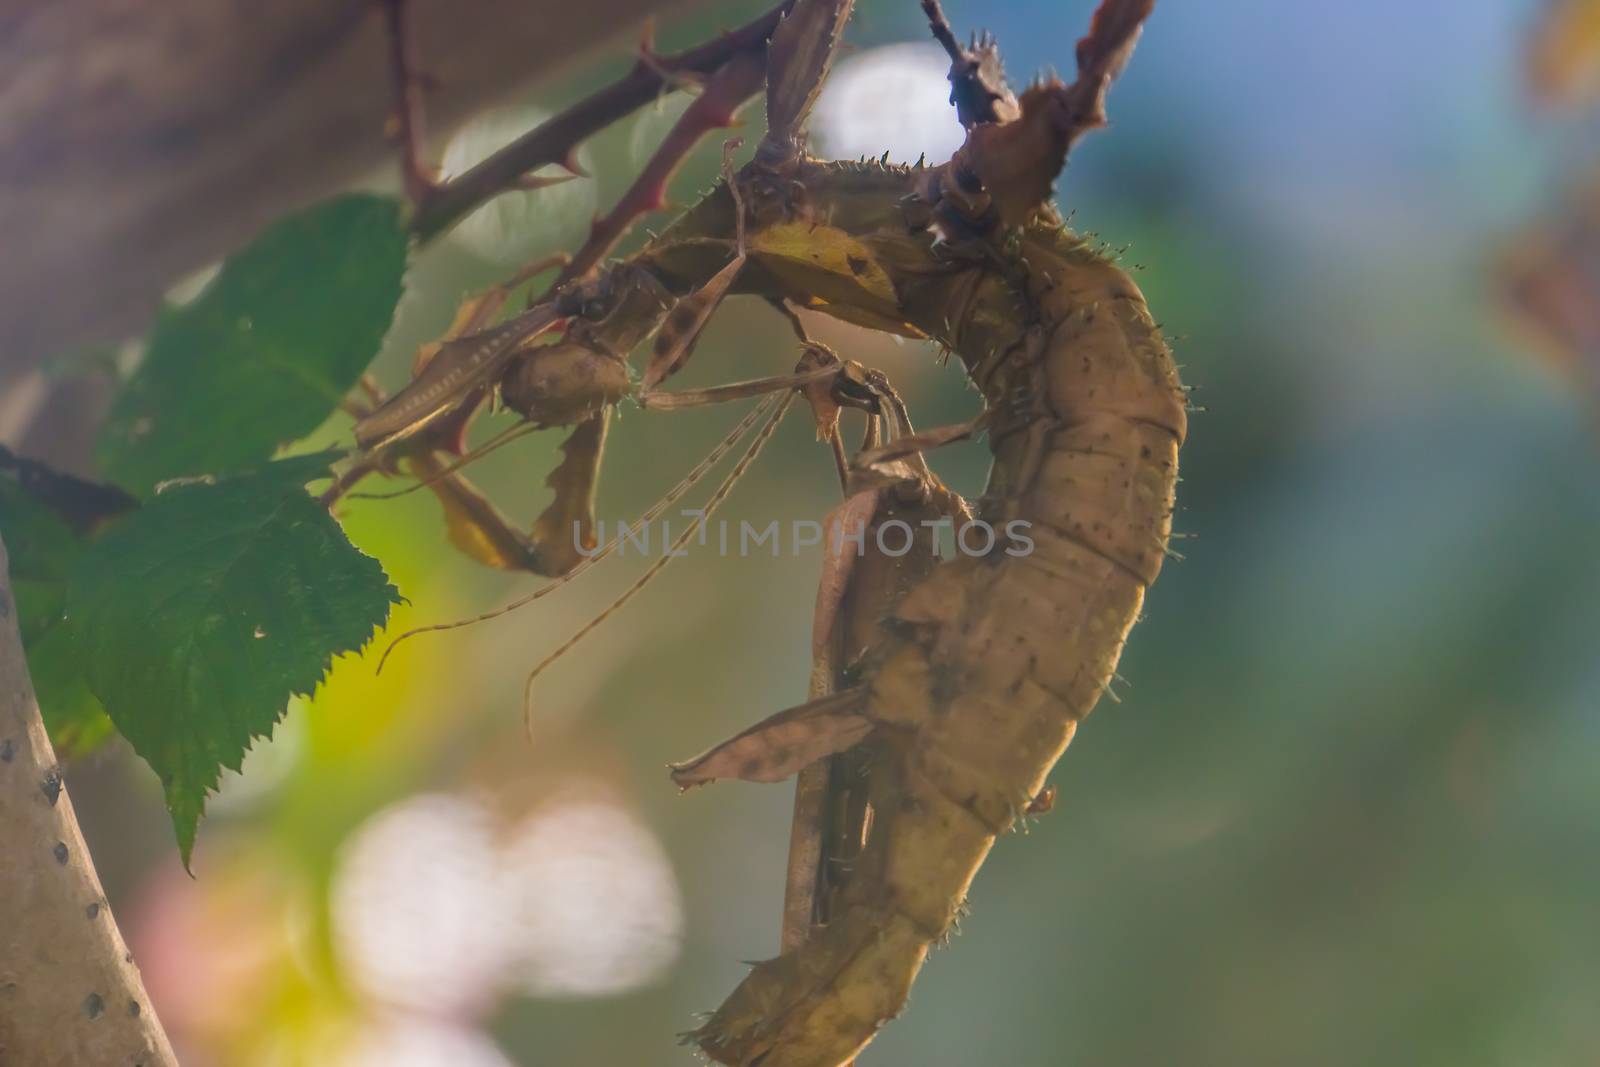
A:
944, 690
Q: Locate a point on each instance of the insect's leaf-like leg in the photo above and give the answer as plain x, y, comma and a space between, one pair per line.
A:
473, 523
782, 744
679, 334
565, 530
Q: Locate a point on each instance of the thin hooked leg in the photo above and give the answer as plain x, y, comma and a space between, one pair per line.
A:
828, 384
678, 399
675, 342
901, 461
912, 446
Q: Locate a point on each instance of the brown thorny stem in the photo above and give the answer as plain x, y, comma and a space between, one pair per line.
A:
555, 141
976, 683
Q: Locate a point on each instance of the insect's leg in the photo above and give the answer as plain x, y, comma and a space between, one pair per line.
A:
784, 308
474, 524
782, 744
561, 535
565, 531
898, 463
829, 798
675, 342
828, 384
774, 407
841, 462
909, 445
1044, 802
673, 495
678, 399
901, 466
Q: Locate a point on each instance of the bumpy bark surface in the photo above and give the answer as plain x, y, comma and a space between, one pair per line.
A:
70, 995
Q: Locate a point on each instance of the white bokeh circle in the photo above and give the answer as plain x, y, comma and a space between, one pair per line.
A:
894, 99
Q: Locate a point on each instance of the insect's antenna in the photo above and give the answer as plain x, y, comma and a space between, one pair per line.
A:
673, 495
499, 440
728, 148
780, 407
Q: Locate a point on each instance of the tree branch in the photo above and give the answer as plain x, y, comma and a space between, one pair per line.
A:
554, 140
69, 992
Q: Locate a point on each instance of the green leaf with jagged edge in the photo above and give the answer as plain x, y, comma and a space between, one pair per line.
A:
267, 351
42, 549
200, 615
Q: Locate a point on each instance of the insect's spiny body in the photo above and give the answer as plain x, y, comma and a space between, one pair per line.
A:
992, 661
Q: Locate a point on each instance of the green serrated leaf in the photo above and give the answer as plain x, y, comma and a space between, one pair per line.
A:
200, 615
74, 718
267, 351
42, 550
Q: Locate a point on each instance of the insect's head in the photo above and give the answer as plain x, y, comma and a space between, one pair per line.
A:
607, 316
857, 387
615, 309
850, 386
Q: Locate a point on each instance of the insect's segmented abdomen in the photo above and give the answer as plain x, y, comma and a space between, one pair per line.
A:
996, 659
